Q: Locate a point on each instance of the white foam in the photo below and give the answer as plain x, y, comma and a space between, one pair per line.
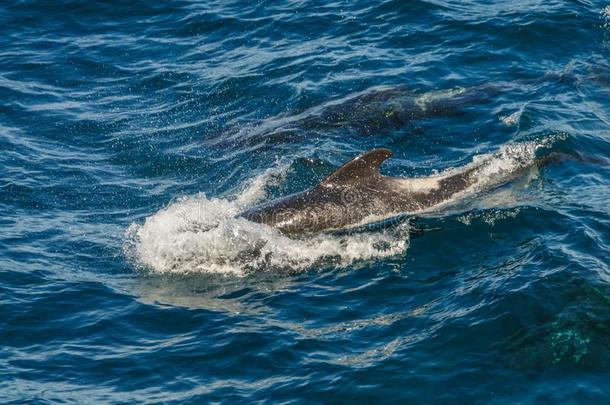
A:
605, 24
199, 234
514, 156
426, 99
511, 119
506, 163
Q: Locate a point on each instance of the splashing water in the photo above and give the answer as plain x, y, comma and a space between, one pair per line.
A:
513, 118
198, 234
508, 162
605, 15
203, 235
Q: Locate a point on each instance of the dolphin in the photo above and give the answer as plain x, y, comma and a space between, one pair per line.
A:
393, 107
357, 194
378, 110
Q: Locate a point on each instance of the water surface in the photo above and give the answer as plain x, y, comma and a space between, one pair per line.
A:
127, 129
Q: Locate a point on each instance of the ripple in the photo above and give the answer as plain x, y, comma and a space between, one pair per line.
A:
160, 119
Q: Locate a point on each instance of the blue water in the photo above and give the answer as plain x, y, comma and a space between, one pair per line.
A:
127, 128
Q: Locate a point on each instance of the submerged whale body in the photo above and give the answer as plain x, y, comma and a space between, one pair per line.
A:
357, 194
380, 110
393, 107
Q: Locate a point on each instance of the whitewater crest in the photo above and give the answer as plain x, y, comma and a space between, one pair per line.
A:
201, 234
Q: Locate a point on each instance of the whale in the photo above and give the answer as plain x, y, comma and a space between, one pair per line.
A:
358, 193
385, 108
378, 111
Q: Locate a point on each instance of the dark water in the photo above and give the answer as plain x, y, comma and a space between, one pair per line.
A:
127, 129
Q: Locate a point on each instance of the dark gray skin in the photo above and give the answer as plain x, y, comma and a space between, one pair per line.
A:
358, 194
355, 194
378, 111
396, 107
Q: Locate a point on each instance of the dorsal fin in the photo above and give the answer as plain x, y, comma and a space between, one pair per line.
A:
364, 166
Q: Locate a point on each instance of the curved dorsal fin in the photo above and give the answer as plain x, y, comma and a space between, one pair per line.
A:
361, 167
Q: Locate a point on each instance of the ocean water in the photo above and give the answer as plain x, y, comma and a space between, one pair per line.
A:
132, 134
